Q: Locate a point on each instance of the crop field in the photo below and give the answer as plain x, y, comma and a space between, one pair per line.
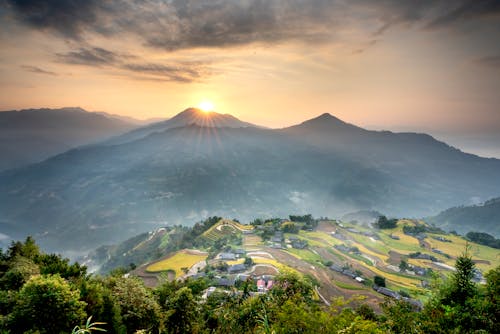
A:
225, 227
177, 261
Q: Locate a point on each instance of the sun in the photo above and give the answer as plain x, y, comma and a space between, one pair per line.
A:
206, 106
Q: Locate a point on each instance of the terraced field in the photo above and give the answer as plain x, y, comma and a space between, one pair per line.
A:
225, 227
176, 261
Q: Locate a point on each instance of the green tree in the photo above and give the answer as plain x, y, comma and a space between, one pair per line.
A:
139, 309
47, 304
181, 311
379, 280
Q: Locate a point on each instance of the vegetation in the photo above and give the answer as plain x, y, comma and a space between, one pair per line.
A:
42, 293
176, 262
384, 223
484, 239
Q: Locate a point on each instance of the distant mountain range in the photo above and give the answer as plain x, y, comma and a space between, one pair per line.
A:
484, 217
32, 135
196, 165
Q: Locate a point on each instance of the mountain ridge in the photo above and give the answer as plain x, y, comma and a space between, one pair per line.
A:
183, 174
32, 135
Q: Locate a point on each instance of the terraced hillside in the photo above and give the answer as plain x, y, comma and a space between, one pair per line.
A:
343, 258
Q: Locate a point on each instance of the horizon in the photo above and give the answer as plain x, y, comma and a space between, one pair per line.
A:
483, 147
403, 66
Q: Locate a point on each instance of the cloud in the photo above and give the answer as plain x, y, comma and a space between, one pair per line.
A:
490, 61
89, 56
466, 10
38, 70
183, 24
178, 71
69, 18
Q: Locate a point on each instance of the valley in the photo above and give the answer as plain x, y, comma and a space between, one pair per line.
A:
343, 258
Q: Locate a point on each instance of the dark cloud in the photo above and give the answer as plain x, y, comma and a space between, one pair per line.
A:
35, 69
178, 71
183, 24
89, 56
465, 10
69, 18
490, 61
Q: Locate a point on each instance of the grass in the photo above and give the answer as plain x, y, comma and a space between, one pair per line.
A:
177, 261
457, 248
348, 286
305, 254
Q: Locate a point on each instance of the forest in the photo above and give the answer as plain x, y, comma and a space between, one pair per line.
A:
45, 293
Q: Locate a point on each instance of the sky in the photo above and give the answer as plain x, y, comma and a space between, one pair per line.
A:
401, 65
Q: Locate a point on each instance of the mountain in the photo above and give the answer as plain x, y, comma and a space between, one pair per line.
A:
32, 135
190, 116
108, 192
478, 218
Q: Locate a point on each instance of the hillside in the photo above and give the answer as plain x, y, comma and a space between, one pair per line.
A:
478, 218
109, 192
32, 135
342, 257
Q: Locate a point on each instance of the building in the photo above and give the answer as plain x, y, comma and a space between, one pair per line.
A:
236, 268
261, 285
227, 256
299, 244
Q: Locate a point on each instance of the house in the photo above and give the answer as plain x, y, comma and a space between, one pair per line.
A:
349, 273
395, 237
242, 277
299, 244
419, 271
339, 236
198, 275
239, 252
417, 304
261, 285
360, 279
227, 256
226, 282
342, 248
336, 268
236, 268
269, 284
388, 292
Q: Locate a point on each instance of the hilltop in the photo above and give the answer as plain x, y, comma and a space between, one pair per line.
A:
484, 217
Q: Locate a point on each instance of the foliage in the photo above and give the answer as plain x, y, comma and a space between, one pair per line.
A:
384, 223
483, 239
41, 293
51, 303
139, 309
88, 327
379, 280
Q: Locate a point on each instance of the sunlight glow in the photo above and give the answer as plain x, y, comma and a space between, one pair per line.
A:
206, 106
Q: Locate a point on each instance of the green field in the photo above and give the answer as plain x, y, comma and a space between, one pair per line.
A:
177, 261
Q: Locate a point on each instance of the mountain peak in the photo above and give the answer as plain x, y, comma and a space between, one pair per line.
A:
325, 122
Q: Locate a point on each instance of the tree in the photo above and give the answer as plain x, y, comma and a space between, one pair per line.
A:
181, 311
384, 223
47, 304
379, 280
462, 286
139, 310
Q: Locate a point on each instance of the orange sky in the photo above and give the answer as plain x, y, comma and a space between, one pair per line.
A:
396, 65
